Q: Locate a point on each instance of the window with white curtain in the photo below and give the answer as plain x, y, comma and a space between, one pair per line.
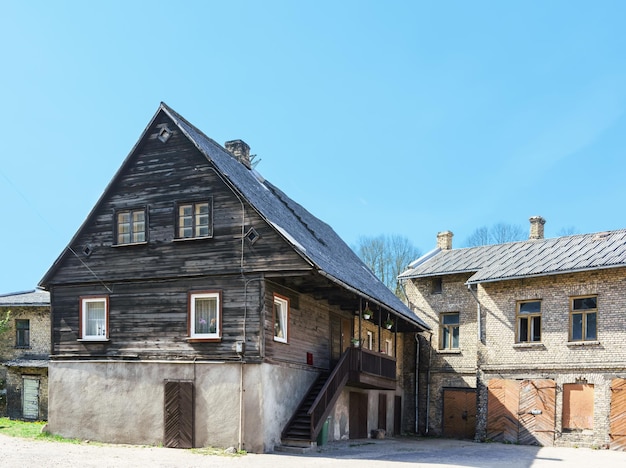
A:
94, 318
205, 315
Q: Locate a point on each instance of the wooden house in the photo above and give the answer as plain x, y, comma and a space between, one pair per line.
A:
529, 339
199, 305
24, 351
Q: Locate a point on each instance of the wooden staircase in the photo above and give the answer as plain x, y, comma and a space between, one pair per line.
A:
297, 433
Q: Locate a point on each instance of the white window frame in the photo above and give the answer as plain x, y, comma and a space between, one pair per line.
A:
369, 340
388, 347
211, 335
103, 334
281, 306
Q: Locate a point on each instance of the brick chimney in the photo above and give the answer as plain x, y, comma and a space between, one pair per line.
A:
240, 151
536, 227
444, 240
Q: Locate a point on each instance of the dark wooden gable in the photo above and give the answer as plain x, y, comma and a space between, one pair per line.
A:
157, 175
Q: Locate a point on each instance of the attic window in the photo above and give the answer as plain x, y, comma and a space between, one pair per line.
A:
164, 134
436, 286
87, 250
252, 236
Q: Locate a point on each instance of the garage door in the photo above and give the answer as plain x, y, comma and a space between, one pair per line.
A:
459, 413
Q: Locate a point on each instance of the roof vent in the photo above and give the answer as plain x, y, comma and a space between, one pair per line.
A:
164, 134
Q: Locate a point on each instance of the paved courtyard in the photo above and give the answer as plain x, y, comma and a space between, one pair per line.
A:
395, 453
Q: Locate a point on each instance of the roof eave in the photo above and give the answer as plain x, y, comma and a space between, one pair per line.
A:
540, 275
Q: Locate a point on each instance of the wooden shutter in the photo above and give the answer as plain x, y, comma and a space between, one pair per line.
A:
179, 421
617, 416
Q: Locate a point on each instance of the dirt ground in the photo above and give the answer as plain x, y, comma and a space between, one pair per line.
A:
395, 453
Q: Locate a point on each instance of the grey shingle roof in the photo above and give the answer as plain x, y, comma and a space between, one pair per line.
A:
26, 298
315, 240
527, 258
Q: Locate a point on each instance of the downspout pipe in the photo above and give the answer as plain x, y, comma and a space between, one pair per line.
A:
478, 313
417, 377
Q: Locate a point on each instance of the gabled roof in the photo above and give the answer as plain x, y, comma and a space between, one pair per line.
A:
513, 260
34, 298
313, 239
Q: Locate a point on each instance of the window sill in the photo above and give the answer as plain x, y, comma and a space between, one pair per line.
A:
186, 239
528, 345
203, 340
449, 351
130, 244
92, 340
583, 343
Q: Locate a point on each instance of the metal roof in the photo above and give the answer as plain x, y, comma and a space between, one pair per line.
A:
36, 297
538, 257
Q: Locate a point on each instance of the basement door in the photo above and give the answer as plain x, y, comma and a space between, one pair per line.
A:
179, 421
522, 412
459, 413
617, 431
30, 397
358, 415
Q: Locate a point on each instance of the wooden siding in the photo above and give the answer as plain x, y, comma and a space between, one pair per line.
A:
157, 176
149, 319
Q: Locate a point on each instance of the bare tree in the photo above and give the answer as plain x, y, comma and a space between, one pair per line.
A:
567, 231
497, 234
387, 256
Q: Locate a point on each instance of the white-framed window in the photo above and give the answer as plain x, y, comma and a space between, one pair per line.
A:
205, 315
94, 318
388, 347
281, 318
194, 220
131, 226
529, 322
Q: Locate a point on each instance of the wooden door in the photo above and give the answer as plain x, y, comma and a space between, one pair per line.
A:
617, 418
358, 415
30, 397
340, 335
537, 412
179, 421
521, 412
502, 405
382, 411
459, 413
397, 415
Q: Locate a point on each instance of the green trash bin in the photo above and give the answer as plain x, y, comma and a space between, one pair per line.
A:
322, 437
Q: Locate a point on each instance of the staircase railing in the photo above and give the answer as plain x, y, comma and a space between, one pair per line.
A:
330, 392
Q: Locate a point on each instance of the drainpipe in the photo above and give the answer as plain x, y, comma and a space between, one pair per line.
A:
430, 354
417, 376
478, 313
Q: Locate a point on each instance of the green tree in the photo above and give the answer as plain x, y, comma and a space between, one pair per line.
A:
387, 256
4, 323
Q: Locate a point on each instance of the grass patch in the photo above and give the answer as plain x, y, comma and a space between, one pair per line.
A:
30, 430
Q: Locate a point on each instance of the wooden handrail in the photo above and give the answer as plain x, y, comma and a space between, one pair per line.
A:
330, 392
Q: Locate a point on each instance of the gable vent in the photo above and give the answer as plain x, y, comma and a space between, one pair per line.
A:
164, 134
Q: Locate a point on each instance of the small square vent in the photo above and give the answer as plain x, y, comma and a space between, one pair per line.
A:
252, 236
87, 250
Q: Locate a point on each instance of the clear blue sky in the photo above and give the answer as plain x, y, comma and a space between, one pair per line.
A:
379, 117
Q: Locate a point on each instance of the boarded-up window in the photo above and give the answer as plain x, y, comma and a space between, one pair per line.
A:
30, 397
578, 406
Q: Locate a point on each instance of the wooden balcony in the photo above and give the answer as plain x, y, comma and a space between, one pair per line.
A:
369, 369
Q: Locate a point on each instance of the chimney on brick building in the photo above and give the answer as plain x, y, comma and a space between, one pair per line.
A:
536, 227
240, 151
444, 240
